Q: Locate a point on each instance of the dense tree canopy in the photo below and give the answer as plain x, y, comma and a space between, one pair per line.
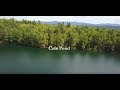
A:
30, 33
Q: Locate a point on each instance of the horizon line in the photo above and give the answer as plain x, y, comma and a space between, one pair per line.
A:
58, 21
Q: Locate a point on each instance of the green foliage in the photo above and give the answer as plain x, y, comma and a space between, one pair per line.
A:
36, 34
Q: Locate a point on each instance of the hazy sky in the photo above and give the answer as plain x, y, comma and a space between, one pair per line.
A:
86, 19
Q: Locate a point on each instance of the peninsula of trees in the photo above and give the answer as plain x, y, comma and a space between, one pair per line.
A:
36, 34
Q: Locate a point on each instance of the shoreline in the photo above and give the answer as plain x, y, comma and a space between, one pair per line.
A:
115, 53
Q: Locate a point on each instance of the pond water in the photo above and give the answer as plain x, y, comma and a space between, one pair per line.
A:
28, 60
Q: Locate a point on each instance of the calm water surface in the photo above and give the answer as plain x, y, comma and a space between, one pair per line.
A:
29, 60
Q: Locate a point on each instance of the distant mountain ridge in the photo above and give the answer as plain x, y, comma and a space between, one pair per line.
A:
105, 25
81, 23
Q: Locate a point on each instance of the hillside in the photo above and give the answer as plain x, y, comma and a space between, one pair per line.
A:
33, 34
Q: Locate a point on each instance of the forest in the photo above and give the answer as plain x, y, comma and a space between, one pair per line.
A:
37, 34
